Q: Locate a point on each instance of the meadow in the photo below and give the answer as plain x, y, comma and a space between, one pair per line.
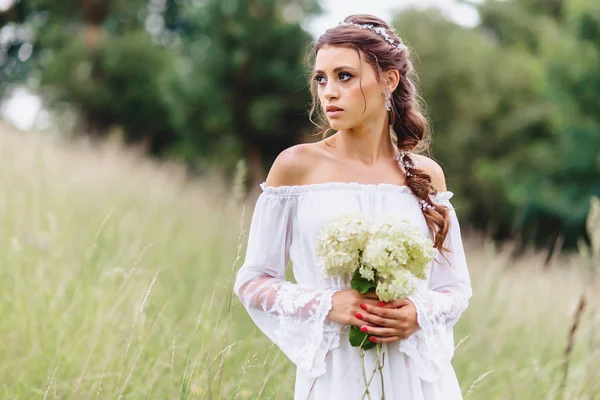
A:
116, 276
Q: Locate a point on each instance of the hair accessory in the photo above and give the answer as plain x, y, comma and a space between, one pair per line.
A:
388, 100
381, 31
425, 206
407, 162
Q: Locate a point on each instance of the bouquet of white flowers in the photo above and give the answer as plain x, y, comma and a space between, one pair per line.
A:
387, 257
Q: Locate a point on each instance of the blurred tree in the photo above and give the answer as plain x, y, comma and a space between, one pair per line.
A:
555, 166
121, 81
243, 78
15, 46
94, 13
519, 95
24, 23
519, 22
197, 79
109, 59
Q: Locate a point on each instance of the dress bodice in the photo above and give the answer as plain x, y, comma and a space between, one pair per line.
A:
312, 206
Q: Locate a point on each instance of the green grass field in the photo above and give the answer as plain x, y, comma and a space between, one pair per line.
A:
116, 276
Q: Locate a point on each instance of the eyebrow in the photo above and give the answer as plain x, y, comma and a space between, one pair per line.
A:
337, 69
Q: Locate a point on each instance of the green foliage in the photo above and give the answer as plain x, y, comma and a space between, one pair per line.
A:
124, 81
361, 284
243, 75
360, 339
46, 26
514, 104
193, 79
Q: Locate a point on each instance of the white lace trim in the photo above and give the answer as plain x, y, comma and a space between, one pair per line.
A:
432, 347
308, 351
295, 318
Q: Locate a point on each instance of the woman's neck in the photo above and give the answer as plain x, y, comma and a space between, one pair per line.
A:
365, 145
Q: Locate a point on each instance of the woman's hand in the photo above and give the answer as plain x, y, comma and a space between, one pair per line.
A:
390, 322
346, 308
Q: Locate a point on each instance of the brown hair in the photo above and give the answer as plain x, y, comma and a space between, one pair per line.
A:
411, 128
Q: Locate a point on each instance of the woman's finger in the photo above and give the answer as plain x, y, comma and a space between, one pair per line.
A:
373, 319
377, 331
359, 320
389, 339
381, 311
398, 303
370, 302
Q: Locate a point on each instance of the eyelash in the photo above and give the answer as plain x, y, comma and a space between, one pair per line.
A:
318, 77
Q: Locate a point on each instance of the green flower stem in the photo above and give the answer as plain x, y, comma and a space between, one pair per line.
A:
380, 368
364, 371
374, 372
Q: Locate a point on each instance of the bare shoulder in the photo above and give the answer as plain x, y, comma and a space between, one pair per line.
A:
292, 165
433, 169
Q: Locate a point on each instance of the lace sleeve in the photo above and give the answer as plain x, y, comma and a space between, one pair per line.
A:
292, 316
440, 306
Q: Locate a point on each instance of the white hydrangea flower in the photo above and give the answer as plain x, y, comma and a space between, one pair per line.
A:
341, 243
396, 251
392, 254
400, 285
366, 272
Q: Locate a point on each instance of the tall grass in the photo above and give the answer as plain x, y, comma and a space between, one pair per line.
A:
116, 277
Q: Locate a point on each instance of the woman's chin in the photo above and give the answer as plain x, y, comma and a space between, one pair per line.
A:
338, 125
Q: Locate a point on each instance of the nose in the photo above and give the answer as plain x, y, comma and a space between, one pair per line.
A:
330, 91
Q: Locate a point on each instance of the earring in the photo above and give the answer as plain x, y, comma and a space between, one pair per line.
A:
388, 100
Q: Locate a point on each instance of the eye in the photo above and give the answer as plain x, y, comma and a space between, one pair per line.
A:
345, 74
319, 79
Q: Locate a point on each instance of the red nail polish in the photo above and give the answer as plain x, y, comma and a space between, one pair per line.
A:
372, 339
382, 304
363, 306
364, 329
358, 315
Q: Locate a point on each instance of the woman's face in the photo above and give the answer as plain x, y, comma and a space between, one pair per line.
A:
340, 74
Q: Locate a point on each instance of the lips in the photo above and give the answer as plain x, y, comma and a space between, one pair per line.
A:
334, 109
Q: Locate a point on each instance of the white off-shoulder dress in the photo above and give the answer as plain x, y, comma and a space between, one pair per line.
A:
285, 225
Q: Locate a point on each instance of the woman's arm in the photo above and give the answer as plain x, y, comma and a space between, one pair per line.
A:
304, 322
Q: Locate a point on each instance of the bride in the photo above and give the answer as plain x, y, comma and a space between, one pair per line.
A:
362, 79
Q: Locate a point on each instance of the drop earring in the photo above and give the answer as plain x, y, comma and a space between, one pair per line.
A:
388, 100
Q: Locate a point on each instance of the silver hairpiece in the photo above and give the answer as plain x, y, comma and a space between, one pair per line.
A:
408, 163
425, 206
381, 31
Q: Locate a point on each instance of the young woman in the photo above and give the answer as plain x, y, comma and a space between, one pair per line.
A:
362, 78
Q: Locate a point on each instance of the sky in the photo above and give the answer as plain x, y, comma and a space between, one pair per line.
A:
337, 10
4, 4
23, 109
